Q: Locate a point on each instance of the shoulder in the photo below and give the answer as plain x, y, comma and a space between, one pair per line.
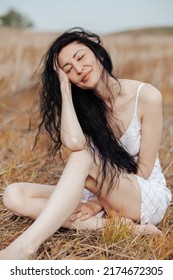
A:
150, 95
150, 98
150, 101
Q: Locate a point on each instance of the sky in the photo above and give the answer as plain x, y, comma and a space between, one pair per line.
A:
102, 16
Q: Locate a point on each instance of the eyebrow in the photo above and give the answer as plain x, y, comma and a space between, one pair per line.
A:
73, 57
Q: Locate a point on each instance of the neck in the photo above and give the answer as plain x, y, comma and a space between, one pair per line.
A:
107, 89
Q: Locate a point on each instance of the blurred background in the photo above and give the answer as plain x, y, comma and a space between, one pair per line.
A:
139, 37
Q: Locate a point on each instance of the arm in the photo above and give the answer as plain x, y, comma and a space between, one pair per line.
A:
72, 135
151, 116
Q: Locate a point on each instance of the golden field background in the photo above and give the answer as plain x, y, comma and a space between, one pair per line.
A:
136, 55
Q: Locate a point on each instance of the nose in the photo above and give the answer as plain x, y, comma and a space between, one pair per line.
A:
79, 68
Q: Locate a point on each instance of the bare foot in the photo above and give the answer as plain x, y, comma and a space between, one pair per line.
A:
10, 253
146, 229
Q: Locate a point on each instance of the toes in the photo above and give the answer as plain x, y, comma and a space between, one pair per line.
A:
146, 229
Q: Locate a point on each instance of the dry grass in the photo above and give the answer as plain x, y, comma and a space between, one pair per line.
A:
147, 58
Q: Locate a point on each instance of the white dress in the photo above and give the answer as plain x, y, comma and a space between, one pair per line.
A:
155, 195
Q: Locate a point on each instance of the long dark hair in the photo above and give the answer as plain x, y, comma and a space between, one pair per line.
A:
92, 112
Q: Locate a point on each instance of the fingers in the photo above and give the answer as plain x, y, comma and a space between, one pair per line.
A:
57, 69
83, 212
82, 216
55, 64
64, 81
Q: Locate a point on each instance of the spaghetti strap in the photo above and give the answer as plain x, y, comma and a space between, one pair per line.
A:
137, 96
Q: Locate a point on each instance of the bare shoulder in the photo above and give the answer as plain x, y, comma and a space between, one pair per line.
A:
150, 102
150, 95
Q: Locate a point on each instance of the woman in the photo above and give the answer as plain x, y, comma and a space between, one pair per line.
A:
113, 129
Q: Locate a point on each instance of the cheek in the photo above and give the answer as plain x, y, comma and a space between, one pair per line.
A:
71, 76
71, 79
98, 69
97, 65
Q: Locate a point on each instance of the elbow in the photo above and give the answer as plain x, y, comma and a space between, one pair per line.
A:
74, 144
145, 174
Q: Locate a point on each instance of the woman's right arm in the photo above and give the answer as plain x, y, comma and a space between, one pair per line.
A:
72, 135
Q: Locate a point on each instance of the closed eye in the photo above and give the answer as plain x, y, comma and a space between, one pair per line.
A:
80, 57
68, 71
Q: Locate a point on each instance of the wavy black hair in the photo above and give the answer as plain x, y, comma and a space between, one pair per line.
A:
92, 112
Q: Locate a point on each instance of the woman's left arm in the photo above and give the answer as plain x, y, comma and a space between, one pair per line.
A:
150, 104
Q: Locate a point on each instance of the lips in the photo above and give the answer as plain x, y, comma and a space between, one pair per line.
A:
86, 76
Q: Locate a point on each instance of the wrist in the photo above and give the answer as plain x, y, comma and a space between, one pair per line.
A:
66, 96
95, 206
65, 89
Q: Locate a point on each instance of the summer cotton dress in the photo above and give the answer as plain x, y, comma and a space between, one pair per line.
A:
154, 193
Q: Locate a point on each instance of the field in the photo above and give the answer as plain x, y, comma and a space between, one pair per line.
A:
140, 56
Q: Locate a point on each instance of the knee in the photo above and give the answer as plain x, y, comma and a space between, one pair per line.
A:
12, 196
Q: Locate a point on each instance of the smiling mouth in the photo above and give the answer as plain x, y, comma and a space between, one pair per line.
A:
86, 76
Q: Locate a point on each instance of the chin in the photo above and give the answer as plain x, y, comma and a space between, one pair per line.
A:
93, 85
85, 87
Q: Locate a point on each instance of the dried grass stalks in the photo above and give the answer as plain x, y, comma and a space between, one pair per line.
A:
146, 58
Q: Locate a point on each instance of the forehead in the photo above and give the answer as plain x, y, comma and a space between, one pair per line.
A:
68, 51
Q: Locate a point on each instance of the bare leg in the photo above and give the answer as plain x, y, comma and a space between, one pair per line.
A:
55, 210
28, 200
61, 204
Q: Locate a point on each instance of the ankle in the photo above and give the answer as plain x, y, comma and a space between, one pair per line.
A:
21, 251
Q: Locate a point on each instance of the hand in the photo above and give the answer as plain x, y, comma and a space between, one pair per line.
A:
83, 212
64, 80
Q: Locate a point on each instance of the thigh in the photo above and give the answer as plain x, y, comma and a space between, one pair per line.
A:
43, 190
35, 190
125, 195
122, 182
